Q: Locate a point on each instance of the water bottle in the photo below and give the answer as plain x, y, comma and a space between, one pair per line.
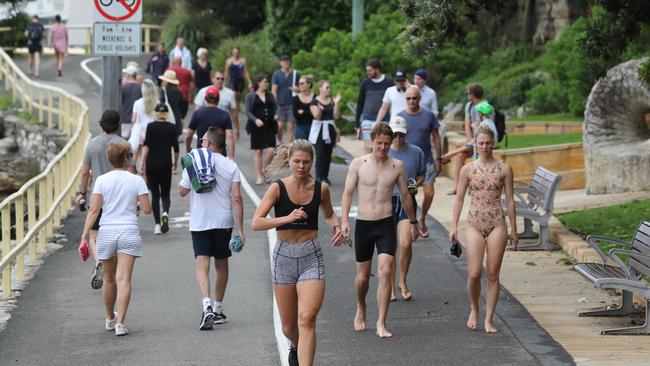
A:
236, 244
82, 205
412, 186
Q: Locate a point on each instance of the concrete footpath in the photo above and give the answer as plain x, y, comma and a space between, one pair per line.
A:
549, 289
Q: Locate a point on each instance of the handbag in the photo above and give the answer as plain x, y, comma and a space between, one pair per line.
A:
170, 116
456, 249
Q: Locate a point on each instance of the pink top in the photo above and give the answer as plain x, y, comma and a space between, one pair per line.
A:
59, 38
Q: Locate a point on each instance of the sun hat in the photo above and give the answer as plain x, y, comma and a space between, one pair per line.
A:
130, 69
398, 124
169, 76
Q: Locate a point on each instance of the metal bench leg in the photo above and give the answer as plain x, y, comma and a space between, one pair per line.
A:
528, 232
542, 241
639, 330
626, 308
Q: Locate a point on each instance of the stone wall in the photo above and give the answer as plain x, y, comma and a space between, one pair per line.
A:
25, 148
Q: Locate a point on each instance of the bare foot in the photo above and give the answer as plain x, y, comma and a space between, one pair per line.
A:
406, 294
489, 328
473, 320
382, 332
360, 319
424, 231
451, 193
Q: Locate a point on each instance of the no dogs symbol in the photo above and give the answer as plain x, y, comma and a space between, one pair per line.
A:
118, 11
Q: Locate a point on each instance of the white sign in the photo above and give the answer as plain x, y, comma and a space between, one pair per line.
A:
118, 11
117, 39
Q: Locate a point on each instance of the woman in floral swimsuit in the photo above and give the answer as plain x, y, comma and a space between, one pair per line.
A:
486, 231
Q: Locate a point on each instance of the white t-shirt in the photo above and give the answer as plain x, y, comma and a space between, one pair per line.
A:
396, 99
139, 128
428, 99
226, 99
119, 190
213, 210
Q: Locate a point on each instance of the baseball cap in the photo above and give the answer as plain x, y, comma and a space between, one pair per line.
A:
285, 57
211, 92
398, 124
399, 75
130, 70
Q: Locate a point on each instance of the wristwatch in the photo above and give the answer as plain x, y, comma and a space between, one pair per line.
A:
413, 222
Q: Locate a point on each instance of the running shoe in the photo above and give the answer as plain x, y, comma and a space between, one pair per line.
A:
220, 318
207, 319
97, 280
110, 323
293, 356
156, 229
165, 222
120, 330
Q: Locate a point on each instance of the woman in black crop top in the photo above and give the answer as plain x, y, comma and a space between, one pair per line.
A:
301, 111
323, 132
297, 265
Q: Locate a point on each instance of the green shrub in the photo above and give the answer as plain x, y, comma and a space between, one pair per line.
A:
198, 28
15, 37
255, 48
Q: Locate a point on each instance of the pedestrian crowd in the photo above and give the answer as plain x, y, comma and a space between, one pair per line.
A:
397, 122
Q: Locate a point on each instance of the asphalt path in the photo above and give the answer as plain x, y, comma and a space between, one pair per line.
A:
59, 318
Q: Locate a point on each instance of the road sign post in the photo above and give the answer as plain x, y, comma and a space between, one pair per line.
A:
116, 32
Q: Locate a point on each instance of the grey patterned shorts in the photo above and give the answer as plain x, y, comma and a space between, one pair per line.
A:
293, 262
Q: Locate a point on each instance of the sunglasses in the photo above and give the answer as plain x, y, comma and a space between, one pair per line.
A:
219, 78
412, 98
399, 135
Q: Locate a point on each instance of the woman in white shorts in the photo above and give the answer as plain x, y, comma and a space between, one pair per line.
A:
117, 194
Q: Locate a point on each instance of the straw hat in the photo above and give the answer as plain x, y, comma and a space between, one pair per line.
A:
169, 76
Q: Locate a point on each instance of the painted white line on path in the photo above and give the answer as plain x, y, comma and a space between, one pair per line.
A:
84, 66
281, 340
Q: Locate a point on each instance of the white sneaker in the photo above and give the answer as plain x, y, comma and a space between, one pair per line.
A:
110, 323
120, 330
156, 229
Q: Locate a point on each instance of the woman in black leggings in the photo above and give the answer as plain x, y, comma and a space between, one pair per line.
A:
160, 155
323, 133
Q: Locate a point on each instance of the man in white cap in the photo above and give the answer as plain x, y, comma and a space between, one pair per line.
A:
423, 127
394, 97
415, 168
131, 91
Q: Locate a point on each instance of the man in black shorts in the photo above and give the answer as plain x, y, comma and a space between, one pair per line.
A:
96, 160
212, 217
373, 176
34, 34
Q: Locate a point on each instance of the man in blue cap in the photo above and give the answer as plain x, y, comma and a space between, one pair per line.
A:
428, 98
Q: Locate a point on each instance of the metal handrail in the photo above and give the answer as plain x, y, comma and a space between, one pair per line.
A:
50, 193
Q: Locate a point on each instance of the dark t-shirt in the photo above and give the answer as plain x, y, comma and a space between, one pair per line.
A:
34, 33
301, 111
419, 127
201, 75
206, 117
160, 138
130, 93
328, 110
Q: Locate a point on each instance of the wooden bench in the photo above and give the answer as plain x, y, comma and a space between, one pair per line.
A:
628, 277
537, 205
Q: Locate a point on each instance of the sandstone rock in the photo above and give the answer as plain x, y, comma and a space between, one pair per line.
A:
9, 183
453, 112
616, 139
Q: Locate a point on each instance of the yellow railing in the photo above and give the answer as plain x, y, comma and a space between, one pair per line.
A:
46, 198
147, 44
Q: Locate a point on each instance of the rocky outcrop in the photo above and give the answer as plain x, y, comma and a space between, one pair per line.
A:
538, 21
617, 138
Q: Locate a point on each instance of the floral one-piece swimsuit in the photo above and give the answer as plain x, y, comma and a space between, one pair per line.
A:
485, 187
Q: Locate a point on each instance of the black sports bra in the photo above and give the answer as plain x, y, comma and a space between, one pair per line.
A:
285, 206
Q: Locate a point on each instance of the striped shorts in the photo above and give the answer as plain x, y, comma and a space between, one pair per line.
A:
113, 239
293, 262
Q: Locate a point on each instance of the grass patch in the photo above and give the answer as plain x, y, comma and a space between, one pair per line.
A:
27, 116
338, 160
618, 222
5, 101
519, 141
556, 117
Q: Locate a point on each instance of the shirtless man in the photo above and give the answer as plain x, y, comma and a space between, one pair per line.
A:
373, 176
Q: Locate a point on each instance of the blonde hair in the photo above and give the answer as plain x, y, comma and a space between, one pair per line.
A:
486, 130
321, 83
309, 79
283, 153
149, 96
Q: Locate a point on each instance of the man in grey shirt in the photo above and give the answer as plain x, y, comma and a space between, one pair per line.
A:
95, 159
284, 83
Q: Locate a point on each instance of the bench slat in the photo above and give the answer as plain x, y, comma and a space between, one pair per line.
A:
596, 271
639, 266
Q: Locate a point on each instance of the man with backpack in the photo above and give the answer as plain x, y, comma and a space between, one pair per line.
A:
213, 182
34, 34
